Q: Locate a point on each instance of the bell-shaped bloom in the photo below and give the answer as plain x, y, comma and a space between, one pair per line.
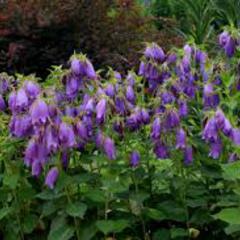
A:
39, 112
167, 98
232, 157
223, 38
51, 177
51, 138
230, 47
32, 89
101, 109
90, 106
77, 67
182, 108
187, 51
89, 70
200, 57
227, 128
220, 119
12, 101
236, 136
134, 159
210, 132
65, 159
66, 135
161, 150
4, 85
109, 90
118, 127
87, 121
109, 148
154, 52
145, 116
185, 65
117, 75
210, 99
120, 106
188, 155
130, 95
99, 139
134, 121
172, 119
30, 153
36, 168
181, 139
141, 70
2, 103
82, 130
215, 149
21, 126
156, 128
131, 79
21, 100
172, 58
72, 87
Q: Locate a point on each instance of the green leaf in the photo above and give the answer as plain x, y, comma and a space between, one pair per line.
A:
48, 208
87, 231
60, 230
178, 232
96, 196
229, 215
76, 209
30, 222
11, 180
48, 195
232, 229
155, 214
4, 212
231, 171
108, 226
162, 234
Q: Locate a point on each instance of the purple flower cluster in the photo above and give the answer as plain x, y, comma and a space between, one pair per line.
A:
85, 110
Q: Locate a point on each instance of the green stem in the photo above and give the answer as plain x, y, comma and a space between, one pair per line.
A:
74, 218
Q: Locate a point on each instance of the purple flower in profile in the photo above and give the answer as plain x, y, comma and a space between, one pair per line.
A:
82, 130
99, 139
156, 128
172, 119
210, 132
134, 159
89, 70
145, 116
187, 51
172, 58
200, 57
109, 148
181, 139
130, 95
223, 38
39, 112
4, 85
120, 105
2, 103
167, 98
131, 79
21, 100
230, 47
51, 139
66, 135
185, 65
220, 119
72, 87
101, 109
109, 90
65, 159
215, 149
90, 106
227, 128
210, 99
36, 168
32, 89
30, 153
188, 155
236, 136
182, 108
51, 177
76, 67
12, 101
141, 70
161, 150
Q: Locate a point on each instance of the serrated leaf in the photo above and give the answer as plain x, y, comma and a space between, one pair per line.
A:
231, 171
29, 223
229, 215
77, 209
115, 226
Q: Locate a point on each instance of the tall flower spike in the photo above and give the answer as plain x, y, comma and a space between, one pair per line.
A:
210, 132
51, 177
